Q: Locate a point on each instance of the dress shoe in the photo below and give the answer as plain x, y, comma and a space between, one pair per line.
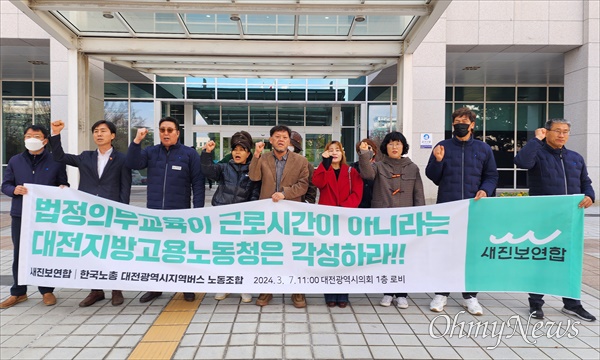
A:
149, 296
93, 296
49, 299
189, 296
342, 304
117, 297
263, 299
299, 300
331, 304
12, 300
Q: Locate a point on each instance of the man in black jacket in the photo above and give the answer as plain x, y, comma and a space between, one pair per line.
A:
552, 169
33, 166
102, 173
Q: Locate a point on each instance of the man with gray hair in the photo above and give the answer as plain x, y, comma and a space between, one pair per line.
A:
554, 170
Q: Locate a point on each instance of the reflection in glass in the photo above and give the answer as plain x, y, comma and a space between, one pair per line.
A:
42, 112
290, 115
382, 120
235, 115
169, 91
144, 91
529, 118
324, 24
318, 116
116, 90
263, 115
207, 114
348, 141
314, 147
118, 113
201, 138
499, 133
16, 117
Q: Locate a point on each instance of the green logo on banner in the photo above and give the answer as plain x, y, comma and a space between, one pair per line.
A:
532, 244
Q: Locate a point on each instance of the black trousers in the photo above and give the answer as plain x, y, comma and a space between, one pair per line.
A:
16, 289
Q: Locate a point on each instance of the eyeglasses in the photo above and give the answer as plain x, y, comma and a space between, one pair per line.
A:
394, 144
166, 130
39, 137
559, 132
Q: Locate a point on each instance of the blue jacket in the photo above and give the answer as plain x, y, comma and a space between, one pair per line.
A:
467, 167
172, 175
115, 182
20, 170
554, 171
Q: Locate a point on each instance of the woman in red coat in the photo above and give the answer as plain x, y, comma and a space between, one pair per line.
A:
339, 185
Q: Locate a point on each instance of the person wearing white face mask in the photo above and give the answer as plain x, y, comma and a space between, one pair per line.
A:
34, 166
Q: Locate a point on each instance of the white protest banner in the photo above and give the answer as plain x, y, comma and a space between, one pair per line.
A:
75, 240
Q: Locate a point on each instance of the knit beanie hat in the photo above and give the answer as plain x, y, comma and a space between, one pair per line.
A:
242, 138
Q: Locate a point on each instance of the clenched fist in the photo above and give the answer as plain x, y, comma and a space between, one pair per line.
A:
438, 152
141, 134
209, 146
57, 126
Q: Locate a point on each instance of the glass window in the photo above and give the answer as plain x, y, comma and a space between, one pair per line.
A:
263, 115
143, 91
169, 91
529, 118
42, 88
324, 24
477, 108
499, 132
210, 24
468, 93
235, 115
314, 147
349, 115
142, 115
16, 117
318, 116
144, 22
375, 25
207, 114
326, 93
118, 113
382, 120
201, 138
116, 90
93, 21
354, 93
556, 94
173, 79
556, 111
500, 94
290, 115
348, 141
17, 88
449, 93
261, 92
42, 112
506, 179
270, 24
380, 93
531, 94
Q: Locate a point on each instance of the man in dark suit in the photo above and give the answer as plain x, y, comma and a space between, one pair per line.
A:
102, 173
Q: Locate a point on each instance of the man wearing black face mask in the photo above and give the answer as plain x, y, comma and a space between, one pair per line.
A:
463, 168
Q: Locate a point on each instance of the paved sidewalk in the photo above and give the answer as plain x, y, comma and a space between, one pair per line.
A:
230, 329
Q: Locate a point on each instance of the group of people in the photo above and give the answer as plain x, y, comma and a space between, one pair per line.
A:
462, 167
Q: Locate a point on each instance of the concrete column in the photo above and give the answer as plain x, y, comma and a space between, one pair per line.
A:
582, 92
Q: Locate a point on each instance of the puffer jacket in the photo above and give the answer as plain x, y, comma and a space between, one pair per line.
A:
554, 171
396, 182
44, 170
467, 167
172, 175
234, 184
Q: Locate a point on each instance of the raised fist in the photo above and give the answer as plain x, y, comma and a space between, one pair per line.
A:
438, 152
141, 134
57, 126
540, 133
209, 146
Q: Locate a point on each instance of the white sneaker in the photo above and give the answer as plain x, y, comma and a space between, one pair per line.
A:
386, 300
221, 296
401, 303
438, 303
472, 306
246, 298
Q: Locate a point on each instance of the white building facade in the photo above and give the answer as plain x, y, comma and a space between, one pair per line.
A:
516, 63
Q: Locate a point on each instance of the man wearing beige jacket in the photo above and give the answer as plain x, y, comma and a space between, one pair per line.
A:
284, 176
